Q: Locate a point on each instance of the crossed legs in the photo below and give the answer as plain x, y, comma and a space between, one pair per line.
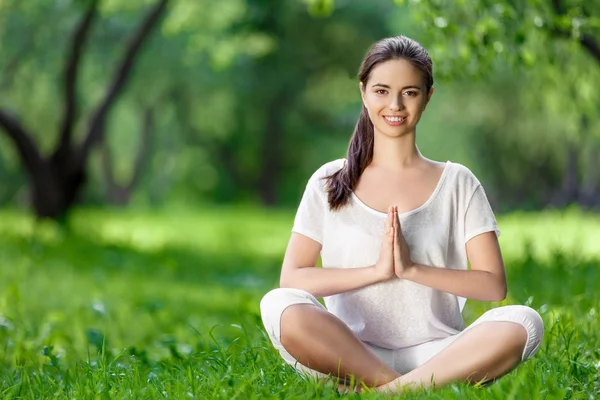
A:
321, 342
318, 340
484, 353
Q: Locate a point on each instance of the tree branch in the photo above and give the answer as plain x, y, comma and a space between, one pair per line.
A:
70, 80
106, 162
558, 7
586, 40
222, 153
96, 132
591, 44
144, 149
27, 149
120, 193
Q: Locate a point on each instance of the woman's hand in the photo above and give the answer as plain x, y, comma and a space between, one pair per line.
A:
385, 264
402, 261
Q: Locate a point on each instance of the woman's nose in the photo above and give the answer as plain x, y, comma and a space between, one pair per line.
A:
396, 104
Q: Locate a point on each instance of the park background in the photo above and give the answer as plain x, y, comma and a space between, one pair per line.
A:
152, 154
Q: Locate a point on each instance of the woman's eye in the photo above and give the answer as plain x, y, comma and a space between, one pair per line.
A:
380, 91
410, 93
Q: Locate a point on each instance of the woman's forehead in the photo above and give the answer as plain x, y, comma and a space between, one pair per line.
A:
396, 73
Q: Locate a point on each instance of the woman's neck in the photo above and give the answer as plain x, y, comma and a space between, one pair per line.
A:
395, 153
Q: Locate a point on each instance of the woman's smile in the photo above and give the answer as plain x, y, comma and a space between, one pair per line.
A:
394, 121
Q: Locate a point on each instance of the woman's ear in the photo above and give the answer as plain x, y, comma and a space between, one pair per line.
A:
361, 87
428, 98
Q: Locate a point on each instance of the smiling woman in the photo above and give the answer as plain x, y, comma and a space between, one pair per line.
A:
399, 102
396, 233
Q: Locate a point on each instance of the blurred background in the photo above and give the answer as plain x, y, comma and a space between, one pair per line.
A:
167, 144
154, 104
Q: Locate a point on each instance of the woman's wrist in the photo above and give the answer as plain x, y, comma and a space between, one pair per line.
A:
409, 272
380, 276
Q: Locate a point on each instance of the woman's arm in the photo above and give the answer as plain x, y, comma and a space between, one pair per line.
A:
486, 281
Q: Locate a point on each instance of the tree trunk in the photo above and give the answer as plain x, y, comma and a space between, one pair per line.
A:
119, 194
589, 192
569, 192
54, 188
272, 150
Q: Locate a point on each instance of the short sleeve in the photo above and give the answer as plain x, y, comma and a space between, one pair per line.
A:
310, 217
479, 217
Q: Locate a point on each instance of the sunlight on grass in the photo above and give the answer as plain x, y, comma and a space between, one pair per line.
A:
257, 231
133, 304
569, 232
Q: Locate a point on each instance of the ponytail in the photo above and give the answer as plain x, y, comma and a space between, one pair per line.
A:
342, 183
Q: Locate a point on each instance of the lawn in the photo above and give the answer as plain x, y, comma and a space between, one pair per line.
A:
140, 304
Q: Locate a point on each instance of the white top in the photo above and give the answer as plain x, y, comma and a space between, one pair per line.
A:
398, 313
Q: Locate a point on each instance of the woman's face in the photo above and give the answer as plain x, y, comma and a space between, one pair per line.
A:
395, 97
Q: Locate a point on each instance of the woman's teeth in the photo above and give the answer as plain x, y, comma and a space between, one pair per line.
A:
394, 119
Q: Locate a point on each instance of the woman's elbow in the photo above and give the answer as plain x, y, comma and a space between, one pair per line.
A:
286, 280
499, 297
293, 280
499, 293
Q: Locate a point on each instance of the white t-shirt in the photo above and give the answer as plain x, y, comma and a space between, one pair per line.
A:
398, 313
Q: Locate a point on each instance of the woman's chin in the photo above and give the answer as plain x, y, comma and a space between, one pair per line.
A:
394, 133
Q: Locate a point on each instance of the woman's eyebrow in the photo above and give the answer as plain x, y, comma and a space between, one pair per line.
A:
383, 85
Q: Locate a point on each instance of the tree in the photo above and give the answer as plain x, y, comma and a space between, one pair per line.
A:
280, 92
56, 180
120, 194
556, 44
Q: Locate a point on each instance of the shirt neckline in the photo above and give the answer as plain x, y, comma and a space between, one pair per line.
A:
414, 210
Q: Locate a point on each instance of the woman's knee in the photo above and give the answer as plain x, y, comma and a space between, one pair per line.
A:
295, 324
529, 319
275, 302
534, 325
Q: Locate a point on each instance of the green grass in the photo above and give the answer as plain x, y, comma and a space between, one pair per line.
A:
134, 304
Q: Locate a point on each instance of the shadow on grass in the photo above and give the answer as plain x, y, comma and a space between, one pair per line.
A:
564, 280
561, 280
72, 251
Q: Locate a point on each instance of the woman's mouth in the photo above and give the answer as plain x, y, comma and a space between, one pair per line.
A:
394, 121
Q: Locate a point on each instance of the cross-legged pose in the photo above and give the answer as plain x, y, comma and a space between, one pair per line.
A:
396, 233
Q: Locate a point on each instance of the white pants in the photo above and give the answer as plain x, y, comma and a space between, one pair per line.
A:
401, 360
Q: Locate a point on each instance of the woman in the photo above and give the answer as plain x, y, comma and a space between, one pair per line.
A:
396, 232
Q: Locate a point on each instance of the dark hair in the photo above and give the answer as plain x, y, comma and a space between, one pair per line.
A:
360, 150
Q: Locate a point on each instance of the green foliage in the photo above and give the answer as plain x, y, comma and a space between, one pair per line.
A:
321, 8
236, 83
216, 73
152, 305
537, 69
478, 38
